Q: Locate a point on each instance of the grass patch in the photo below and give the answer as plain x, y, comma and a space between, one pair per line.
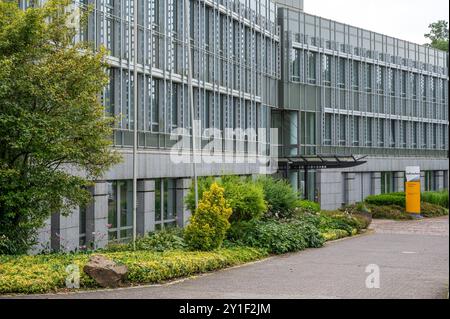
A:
47, 273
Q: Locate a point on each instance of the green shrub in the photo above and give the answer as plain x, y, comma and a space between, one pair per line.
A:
208, 225
245, 197
204, 184
334, 234
47, 273
308, 206
389, 212
276, 236
438, 198
432, 210
386, 199
280, 197
163, 240
343, 220
360, 212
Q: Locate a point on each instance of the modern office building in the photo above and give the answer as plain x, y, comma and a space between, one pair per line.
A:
352, 107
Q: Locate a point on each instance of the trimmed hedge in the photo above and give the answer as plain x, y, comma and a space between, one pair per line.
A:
397, 199
47, 273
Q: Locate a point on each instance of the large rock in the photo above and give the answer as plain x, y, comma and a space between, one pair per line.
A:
105, 272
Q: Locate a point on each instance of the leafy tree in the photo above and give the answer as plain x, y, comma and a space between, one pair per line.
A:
54, 135
438, 35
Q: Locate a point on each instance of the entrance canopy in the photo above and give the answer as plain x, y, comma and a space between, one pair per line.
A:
319, 162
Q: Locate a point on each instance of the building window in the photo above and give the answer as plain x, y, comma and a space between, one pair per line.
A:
342, 130
327, 138
387, 182
165, 203
368, 77
120, 210
369, 132
295, 65
311, 56
430, 181
342, 72
381, 132
355, 76
326, 69
355, 131
393, 134
82, 226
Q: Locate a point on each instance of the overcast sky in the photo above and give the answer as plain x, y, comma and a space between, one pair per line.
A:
403, 19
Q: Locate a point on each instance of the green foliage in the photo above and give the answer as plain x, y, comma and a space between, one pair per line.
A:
245, 197
308, 206
204, 184
159, 241
334, 234
47, 273
432, 210
397, 199
343, 220
208, 225
50, 119
164, 240
280, 197
438, 198
276, 236
439, 35
389, 212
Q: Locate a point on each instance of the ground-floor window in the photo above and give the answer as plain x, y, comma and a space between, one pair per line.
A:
82, 226
120, 210
305, 185
430, 181
165, 203
387, 182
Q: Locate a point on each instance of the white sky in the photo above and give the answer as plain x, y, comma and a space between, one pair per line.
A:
403, 19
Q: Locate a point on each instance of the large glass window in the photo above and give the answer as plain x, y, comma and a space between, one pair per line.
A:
326, 69
368, 76
430, 181
311, 56
355, 76
327, 138
295, 65
120, 210
82, 226
342, 72
165, 203
387, 182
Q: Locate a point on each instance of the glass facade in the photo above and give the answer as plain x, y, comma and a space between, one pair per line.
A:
120, 210
235, 65
372, 94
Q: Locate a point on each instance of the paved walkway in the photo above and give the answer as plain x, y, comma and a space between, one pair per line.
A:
413, 258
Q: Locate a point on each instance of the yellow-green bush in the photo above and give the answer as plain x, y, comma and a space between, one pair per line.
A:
208, 225
335, 234
47, 273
